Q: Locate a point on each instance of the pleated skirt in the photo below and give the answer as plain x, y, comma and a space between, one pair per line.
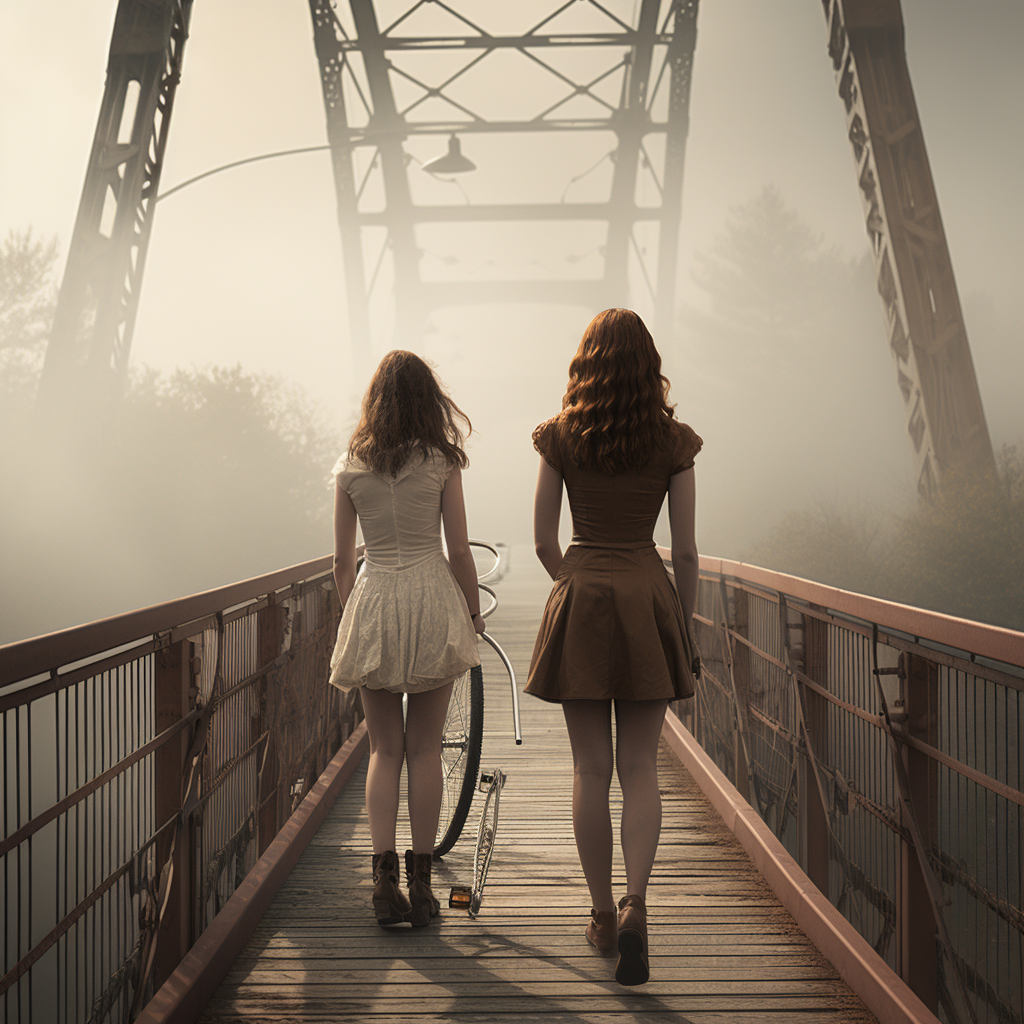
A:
405, 629
612, 629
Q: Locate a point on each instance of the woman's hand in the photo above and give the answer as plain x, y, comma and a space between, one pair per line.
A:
479, 625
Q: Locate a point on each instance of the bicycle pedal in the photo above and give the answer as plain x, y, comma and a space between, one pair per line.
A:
460, 897
490, 780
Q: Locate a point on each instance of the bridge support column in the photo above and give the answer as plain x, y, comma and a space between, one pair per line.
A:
174, 698
918, 942
814, 833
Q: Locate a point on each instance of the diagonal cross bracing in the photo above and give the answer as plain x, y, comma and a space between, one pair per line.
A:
582, 71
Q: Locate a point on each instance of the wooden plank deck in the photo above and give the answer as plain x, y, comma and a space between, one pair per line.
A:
722, 948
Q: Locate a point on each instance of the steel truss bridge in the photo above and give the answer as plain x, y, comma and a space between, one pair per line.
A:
165, 770
606, 82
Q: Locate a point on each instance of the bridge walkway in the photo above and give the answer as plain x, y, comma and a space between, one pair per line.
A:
722, 946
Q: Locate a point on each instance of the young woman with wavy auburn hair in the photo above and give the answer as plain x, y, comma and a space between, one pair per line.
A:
614, 630
411, 617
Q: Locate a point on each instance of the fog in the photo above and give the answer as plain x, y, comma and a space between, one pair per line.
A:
245, 267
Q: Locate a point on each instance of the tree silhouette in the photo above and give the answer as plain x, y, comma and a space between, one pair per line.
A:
28, 296
772, 285
191, 480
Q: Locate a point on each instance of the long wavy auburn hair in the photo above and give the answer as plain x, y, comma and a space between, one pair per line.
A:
405, 410
615, 411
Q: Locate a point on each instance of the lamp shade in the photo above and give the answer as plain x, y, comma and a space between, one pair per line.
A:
453, 162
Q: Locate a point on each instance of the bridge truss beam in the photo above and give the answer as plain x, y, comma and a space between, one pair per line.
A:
99, 294
927, 336
362, 68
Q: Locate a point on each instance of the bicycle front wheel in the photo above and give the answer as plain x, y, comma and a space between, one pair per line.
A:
460, 757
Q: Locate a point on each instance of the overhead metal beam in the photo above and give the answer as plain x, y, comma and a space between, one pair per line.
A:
927, 336
484, 212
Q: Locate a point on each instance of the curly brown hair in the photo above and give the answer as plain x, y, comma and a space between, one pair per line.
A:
615, 410
406, 409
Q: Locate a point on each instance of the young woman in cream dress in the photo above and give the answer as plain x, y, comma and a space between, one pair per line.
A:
411, 616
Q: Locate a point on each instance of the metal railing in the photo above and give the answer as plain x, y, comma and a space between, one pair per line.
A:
148, 761
883, 746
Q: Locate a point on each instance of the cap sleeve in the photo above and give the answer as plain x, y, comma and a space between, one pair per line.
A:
687, 444
345, 470
545, 440
439, 467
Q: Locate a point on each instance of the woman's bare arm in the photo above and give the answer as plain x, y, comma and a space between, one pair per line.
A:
547, 510
456, 535
682, 503
344, 543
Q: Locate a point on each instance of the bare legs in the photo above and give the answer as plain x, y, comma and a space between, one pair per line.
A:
637, 730
391, 742
638, 727
590, 734
423, 732
383, 712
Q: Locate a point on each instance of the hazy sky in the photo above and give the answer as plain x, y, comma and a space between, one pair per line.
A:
247, 266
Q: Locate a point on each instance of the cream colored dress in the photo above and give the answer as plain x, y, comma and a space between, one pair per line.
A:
406, 626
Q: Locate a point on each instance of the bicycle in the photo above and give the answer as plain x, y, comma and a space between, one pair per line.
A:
460, 755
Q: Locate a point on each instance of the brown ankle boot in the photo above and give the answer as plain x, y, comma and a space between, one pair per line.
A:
633, 967
602, 931
421, 896
389, 903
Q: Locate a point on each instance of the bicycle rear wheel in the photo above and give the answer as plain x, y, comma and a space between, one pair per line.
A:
460, 757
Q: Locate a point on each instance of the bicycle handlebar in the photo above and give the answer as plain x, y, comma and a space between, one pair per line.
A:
493, 550
512, 678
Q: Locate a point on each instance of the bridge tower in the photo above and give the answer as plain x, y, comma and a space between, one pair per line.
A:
927, 336
614, 81
99, 295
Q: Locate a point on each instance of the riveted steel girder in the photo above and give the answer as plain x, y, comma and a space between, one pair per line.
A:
927, 336
99, 294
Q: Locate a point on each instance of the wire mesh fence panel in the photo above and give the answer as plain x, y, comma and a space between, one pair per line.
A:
180, 737
882, 746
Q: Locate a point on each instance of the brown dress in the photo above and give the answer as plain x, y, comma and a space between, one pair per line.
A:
613, 627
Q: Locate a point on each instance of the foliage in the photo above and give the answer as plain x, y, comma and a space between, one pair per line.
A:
191, 480
244, 456
828, 545
962, 554
194, 479
28, 296
773, 287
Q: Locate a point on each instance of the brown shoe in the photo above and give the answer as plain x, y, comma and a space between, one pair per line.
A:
421, 896
389, 903
633, 967
602, 930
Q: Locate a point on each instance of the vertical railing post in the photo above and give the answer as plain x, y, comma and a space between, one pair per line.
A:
919, 953
737, 614
174, 699
270, 625
814, 830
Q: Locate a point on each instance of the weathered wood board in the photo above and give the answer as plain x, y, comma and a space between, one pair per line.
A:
722, 948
